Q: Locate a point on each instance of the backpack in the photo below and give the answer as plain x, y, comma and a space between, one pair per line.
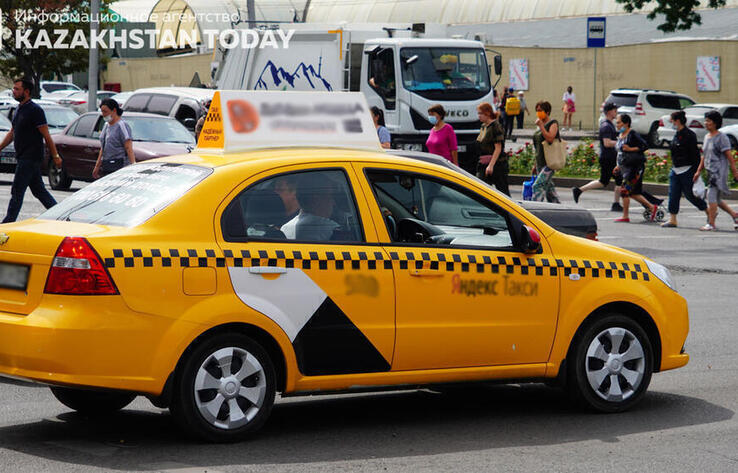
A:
512, 106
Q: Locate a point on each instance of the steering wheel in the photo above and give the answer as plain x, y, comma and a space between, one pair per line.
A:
412, 230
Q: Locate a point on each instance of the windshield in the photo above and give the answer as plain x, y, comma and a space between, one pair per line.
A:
59, 117
445, 73
129, 196
162, 130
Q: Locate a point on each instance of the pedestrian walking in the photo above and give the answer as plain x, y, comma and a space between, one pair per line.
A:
717, 157
496, 101
608, 136
116, 141
493, 167
569, 100
512, 109
28, 133
503, 113
523, 109
385, 140
685, 159
442, 138
631, 163
548, 130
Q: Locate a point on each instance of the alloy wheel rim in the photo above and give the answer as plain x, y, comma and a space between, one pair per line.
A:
615, 364
230, 388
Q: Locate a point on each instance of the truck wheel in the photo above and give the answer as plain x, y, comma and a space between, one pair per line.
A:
58, 178
653, 136
224, 390
610, 364
92, 402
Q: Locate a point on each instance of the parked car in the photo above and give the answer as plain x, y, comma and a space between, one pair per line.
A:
153, 136
696, 120
122, 97
7, 155
571, 219
186, 104
77, 101
646, 106
49, 86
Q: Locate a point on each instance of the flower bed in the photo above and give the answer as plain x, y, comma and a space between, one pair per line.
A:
583, 161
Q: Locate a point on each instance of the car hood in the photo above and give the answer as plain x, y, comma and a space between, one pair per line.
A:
150, 150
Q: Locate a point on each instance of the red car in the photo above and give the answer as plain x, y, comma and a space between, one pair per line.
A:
154, 136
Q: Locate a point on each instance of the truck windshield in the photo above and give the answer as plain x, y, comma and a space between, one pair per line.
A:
445, 73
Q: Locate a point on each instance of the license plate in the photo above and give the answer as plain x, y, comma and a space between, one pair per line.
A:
7, 159
462, 149
14, 276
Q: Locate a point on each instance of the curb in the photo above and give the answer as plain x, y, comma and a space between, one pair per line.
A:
652, 187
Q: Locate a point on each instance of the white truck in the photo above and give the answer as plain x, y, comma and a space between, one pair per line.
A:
399, 68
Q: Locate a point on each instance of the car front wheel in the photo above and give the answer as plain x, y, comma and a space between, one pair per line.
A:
610, 365
224, 389
92, 402
58, 178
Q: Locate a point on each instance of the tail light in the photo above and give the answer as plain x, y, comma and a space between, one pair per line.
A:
77, 102
639, 109
695, 124
77, 269
661, 122
591, 236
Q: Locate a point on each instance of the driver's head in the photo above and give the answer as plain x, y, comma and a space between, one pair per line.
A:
316, 195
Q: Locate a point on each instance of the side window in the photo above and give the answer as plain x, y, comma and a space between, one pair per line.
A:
685, 102
161, 104
382, 76
84, 126
669, 102
309, 206
731, 113
97, 130
72, 127
137, 102
421, 209
185, 111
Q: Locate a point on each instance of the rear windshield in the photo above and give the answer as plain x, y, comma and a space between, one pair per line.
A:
130, 196
623, 100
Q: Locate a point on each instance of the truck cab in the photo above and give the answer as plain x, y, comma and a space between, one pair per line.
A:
405, 76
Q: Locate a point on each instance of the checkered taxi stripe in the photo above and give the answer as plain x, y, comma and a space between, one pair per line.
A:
374, 260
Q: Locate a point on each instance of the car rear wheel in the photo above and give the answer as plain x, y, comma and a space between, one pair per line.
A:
58, 178
610, 364
224, 390
92, 402
653, 135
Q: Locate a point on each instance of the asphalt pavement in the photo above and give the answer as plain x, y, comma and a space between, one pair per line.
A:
686, 422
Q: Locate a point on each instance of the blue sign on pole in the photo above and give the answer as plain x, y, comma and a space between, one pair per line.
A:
596, 31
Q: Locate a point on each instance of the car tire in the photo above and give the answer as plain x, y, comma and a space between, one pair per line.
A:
58, 178
92, 402
653, 135
608, 379
224, 389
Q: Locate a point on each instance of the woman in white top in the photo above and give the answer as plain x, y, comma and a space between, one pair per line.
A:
569, 100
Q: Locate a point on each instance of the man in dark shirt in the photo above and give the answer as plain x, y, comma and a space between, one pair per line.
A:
28, 132
608, 158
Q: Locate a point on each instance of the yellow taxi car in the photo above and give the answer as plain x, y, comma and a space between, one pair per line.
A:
211, 281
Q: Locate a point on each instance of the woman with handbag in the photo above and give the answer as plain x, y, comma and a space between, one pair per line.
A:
493, 167
548, 132
116, 142
631, 163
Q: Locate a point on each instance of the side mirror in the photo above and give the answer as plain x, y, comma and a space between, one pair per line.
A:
530, 240
189, 123
498, 65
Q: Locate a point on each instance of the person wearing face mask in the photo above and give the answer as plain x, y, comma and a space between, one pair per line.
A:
116, 142
685, 158
493, 167
608, 156
548, 130
631, 165
442, 138
28, 133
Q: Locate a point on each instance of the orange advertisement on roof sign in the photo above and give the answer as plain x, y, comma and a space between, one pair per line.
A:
212, 134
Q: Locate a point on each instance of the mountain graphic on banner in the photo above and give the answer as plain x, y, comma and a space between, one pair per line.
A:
304, 77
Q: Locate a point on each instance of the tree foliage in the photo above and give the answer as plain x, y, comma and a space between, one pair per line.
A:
44, 62
678, 14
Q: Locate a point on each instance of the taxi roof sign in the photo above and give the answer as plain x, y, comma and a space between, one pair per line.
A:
240, 120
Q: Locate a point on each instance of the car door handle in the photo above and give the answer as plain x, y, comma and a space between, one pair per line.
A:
426, 273
267, 270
